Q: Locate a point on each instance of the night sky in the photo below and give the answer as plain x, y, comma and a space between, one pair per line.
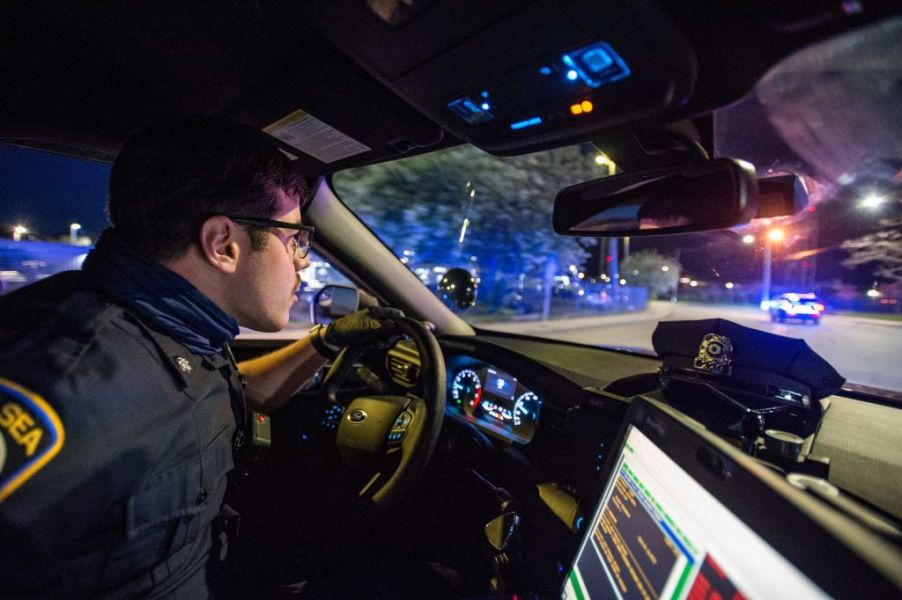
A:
36, 191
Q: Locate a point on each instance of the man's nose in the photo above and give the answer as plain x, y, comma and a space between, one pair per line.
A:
302, 263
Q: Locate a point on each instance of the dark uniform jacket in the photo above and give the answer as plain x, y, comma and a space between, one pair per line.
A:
115, 443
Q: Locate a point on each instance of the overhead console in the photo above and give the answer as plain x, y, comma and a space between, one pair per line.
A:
543, 77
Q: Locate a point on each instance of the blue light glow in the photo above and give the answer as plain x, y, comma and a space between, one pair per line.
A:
597, 59
470, 111
526, 123
595, 65
484, 94
579, 523
545, 70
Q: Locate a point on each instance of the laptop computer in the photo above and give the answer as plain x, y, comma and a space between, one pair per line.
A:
685, 515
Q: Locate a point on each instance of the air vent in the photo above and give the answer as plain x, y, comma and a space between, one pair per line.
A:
403, 364
556, 416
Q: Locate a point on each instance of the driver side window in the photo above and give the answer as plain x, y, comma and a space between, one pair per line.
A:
319, 274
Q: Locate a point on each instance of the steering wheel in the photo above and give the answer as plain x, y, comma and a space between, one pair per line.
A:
388, 440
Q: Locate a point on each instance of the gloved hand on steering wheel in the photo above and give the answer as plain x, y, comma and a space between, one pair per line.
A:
355, 329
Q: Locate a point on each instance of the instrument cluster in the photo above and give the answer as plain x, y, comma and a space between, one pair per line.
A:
494, 400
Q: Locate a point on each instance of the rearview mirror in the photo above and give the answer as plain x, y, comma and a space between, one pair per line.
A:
781, 196
714, 194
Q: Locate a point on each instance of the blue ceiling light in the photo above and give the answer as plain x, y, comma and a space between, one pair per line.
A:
595, 65
559, 80
597, 60
526, 123
471, 112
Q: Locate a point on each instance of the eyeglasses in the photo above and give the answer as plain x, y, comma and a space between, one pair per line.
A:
297, 245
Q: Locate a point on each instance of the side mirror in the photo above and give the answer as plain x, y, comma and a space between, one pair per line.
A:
332, 302
713, 194
457, 289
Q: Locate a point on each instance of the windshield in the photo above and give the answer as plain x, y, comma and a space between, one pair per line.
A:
831, 274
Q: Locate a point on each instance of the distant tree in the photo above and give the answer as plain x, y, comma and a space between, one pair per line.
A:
422, 204
884, 248
647, 268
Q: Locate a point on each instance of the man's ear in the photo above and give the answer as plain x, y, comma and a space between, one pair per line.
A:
219, 243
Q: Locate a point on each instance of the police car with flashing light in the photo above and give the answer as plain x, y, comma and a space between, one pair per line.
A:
804, 307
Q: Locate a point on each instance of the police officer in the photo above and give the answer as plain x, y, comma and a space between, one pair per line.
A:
119, 398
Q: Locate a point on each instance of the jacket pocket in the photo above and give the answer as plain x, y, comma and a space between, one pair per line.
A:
168, 512
175, 493
181, 492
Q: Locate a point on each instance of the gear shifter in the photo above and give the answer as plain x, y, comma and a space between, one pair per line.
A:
500, 532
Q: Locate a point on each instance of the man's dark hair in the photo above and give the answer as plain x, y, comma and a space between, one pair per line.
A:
173, 175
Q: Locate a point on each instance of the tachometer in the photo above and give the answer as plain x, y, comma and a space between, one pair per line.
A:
526, 409
466, 390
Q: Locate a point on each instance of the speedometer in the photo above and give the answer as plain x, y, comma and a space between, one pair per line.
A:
466, 390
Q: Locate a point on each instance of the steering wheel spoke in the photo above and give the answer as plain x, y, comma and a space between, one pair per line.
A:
399, 429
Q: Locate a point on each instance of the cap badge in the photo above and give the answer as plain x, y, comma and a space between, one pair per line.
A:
715, 354
183, 364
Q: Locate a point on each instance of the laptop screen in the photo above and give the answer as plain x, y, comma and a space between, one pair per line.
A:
659, 534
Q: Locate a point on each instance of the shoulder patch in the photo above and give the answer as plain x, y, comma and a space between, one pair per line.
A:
31, 434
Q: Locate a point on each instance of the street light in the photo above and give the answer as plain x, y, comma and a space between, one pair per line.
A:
73, 233
872, 202
602, 159
774, 235
18, 232
463, 230
748, 239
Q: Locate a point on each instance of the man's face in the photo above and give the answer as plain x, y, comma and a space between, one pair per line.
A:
268, 279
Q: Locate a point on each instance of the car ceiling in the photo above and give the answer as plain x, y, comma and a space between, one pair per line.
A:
78, 77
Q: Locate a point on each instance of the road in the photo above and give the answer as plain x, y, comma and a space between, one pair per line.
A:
866, 351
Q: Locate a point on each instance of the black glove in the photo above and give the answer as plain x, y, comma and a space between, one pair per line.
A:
362, 327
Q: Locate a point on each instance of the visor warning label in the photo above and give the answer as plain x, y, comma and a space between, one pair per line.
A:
311, 136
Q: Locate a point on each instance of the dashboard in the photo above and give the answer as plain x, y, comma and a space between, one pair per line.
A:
492, 399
